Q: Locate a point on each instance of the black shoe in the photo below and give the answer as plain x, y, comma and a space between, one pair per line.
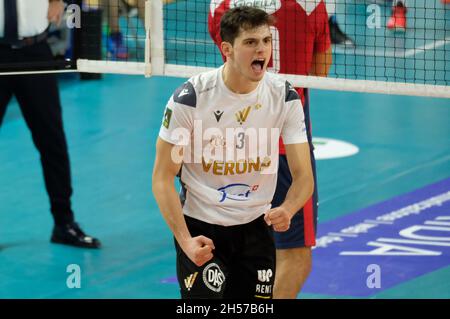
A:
71, 234
337, 36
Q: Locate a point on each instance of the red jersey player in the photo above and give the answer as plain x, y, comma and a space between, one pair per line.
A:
301, 45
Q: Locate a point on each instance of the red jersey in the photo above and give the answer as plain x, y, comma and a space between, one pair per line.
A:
300, 30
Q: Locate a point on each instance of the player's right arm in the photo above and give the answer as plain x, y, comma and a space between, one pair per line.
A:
198, 249
177, 122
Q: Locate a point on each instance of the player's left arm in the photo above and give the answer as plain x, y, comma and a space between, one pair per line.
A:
321, 63
323, 55
298, 156
301, 189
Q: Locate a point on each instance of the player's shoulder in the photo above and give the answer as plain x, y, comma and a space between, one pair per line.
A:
188, 93
282, 87
185, 94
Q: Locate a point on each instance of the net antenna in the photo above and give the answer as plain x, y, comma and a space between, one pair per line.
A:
148, 14
154, 21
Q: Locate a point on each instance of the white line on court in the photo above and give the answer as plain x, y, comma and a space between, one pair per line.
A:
342, 235
400, 53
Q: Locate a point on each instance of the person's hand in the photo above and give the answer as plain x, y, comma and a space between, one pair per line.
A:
55, 11
279, 218
199, 249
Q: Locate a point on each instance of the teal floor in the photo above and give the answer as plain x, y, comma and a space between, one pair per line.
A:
403, 142
112, 124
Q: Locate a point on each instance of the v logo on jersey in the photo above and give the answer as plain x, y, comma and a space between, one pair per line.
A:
189, 281
241, 116
218, 115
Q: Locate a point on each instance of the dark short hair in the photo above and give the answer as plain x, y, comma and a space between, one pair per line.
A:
242, 17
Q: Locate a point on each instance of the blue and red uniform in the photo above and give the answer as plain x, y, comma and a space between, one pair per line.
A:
301, 30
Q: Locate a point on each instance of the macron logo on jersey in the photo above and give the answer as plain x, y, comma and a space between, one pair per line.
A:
185, 94
291, 93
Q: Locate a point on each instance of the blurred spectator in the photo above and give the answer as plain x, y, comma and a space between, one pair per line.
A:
301, 46
114, 9
23, 35
338, 37
397, 21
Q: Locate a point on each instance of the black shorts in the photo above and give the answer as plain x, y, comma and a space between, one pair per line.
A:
302, 232
243, 265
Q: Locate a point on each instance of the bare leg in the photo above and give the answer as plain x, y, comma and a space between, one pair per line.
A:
292, 269
112, 10
141, 10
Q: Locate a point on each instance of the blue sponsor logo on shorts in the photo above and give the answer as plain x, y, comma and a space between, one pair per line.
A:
238, 192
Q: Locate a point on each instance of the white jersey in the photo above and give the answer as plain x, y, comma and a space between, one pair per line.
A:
230, 164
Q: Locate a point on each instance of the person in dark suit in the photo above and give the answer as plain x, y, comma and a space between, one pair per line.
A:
23, 31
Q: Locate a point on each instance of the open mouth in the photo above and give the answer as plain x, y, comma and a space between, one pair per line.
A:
258, 65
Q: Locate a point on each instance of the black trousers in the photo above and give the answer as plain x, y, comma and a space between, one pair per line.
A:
38, 97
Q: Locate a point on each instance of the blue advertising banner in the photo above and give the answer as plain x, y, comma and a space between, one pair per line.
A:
383, 245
